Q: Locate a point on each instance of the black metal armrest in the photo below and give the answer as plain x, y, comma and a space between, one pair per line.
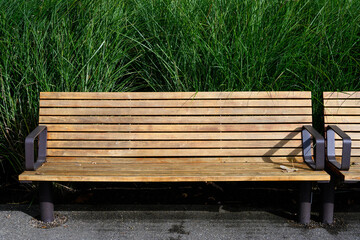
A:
41, 133
319, 148
346, 147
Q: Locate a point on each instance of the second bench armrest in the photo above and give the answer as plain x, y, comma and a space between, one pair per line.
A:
319, 148
41, 133
346, 147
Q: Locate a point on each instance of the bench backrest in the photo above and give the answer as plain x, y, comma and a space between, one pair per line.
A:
343, 109
261, 126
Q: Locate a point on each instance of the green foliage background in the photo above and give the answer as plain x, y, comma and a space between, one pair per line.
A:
168, 45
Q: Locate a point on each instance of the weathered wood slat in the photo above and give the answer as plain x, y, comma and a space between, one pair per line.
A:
255, 127
342, 119
354, 152
173, 111
177, 103
165, 167
30, 176
175, 136
355, 136
342, 102
341, 95
348, 126
355, 143
173, 95
342, 111
168, 120
175, 144
180, 160
175, 152
353, 175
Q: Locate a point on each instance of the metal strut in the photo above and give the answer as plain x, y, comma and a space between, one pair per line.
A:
46, 202
327, 195
305, 199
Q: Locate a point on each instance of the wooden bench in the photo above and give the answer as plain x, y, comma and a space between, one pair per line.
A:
342, 127
342, 123
172, 137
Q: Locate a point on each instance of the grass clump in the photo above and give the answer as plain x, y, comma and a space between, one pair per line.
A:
164, 45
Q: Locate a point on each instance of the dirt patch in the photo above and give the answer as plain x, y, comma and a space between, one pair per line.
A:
58, 221
337, 226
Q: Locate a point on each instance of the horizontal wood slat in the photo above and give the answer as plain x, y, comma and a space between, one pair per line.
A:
179, 160
341, 95
255, 127
355, 136
173, 111
355, 143
174, 144
165, 167
173, 95
348, 126
355, 152
342, 111
175, 152
342, 102
341, 119
177, 103
244, 176
168, 120
175, 136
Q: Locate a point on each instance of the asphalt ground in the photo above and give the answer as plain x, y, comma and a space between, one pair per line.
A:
170, 222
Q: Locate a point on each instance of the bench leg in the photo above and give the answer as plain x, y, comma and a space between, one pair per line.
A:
46, 202
305, 202
327, 194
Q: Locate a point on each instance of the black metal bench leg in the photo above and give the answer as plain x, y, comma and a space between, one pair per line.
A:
46, 202
327, 192
305, 202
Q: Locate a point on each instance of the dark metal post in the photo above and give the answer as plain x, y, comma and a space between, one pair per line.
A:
46, 202
305, 200
327, 194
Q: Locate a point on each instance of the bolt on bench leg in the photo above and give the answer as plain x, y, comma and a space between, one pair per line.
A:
46, 202
327, 195
305, 199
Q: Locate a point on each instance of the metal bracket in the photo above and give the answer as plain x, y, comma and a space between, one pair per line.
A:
330, 148
41, 133
319, 148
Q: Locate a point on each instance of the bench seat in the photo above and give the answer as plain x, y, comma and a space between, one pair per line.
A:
173, 170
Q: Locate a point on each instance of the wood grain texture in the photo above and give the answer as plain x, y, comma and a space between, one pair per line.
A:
341, 102
172, 172
176, 103
174, 152
341, 95
176, 136
172, 111
252, 127
179, 160
175, 144
174, 95
169, 120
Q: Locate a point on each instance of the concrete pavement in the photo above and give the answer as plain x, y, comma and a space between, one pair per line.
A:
168, 223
